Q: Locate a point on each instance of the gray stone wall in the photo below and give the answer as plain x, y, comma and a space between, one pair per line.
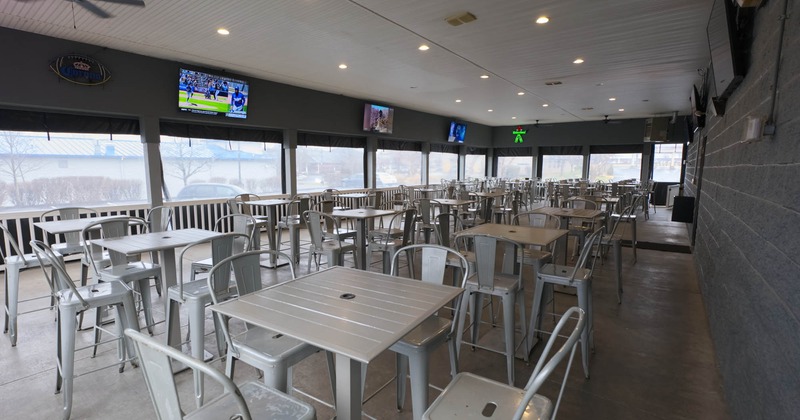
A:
748, 222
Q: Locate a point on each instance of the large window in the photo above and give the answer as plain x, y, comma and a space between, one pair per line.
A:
475, 166
70, 169
562, 166
202, 168
442, 166
608, 167
395, 167
320, 167
514, 167
667, 160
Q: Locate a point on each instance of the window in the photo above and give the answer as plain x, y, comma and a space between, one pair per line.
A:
610, 167
442, 166
562, 166
667, 160
71, 169
475, 166
321, 167
398, 167
201, 168
514, 167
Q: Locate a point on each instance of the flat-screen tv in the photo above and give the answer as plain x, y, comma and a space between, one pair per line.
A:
210, 94
727, 61
378, 119
457, 132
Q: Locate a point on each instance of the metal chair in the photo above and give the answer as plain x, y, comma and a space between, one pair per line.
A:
292, 221
390, 241
472, 396
414, 349
232, 223
489, 281
614, 239
630, 219
274, 354
251, 400
73, 300
426, 213
333, 248
15, 264
579, 277
195, 294
73, 241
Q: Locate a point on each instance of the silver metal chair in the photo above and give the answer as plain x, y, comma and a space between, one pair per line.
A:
15, 264
488, 280
389, 242
73, 300
579, 277
73, 241
472, 396
333, 247
614, 239
630, 219
251, 400
274, 354
232, 223
414, 349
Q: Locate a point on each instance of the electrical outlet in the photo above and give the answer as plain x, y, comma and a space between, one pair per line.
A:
754, 128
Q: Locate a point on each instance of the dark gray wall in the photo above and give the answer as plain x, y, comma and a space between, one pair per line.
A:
747, 248
143, 86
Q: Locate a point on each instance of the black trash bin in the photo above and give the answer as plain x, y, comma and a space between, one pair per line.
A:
683, 210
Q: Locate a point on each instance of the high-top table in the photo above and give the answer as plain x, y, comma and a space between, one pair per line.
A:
524, 235
357, 198
361, 216
272, 221
489, 196
353, 313
165, 244
446, 203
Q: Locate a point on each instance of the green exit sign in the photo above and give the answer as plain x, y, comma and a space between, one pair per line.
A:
518, 133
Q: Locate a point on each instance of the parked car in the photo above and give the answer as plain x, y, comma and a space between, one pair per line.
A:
196, 191
357, 180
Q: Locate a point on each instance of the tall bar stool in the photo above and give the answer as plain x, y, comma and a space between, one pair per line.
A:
579, 277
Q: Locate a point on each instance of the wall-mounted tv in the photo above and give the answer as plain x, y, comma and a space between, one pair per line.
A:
378, 119
209, 94
727, 61
457, 132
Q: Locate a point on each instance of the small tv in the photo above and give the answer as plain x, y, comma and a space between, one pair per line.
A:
210, 94
727, 62
378, 119
457, 132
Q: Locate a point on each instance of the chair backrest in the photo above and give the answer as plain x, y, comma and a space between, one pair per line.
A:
237, 204
154, 361
159, 219
239, 223
114, 227
532, 218
73, 239
586, 253
58, 279
486, 258
222, 247
375, 199
580, 203
623, 218
425, 208
447, 225
405, 220
11, 241
545, 367
434, 260
315, 222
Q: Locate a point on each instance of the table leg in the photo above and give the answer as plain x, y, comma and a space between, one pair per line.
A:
618, 266
169, 279
348, 388
272, 222
12, 299
361, 243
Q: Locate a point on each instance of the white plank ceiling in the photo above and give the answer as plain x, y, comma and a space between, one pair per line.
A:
644, 53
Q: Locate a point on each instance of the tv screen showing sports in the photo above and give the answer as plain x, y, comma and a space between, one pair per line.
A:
378, 119
209, 94
457, 132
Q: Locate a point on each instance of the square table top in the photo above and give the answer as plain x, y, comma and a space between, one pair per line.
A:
67, 226
353, 195
525, 235
452, 201
361, 213
154, 241
488, 194
269, 202
563, 212
316, 309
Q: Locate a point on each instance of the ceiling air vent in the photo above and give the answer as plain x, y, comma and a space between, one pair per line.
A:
552, 83
457, 20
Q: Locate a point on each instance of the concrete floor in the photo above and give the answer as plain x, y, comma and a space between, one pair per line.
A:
653, 354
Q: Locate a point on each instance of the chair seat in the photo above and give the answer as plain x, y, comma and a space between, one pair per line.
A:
262, 401
99, 294
383, 232
271, 347
531, 255
503, 283
131, 271
68, 249
467, 395
334, 245
27, 261
428, 331
559, 274
197, 289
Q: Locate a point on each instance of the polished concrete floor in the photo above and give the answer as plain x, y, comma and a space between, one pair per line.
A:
653, 356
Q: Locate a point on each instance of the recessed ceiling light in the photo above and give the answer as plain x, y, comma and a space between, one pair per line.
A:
223, 31
645, 100
552, 83
424, 47
542, 20
489, 110
588, 108
599, 84
621, 109
484, 76
520, 93
545, 105
513, 118
458, 100
342, 66
612, 99
578, 61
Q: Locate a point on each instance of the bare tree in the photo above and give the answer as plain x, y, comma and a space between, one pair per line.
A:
185, 161
15, 161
